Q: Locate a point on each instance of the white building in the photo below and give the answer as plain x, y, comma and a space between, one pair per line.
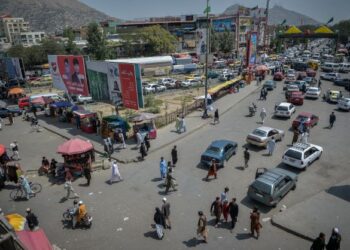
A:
10, 26
28, 39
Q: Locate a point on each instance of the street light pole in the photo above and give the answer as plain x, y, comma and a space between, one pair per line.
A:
205, 113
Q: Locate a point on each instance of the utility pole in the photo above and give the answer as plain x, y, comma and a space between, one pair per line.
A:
205, 113
266, 33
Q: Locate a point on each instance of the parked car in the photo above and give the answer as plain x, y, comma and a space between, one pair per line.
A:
191, 83
296, 98
285, 109
290, 78
167, 82
292, 87
81, 99
344, 104
147, 89
213, 74
330, 76
307, 118
332, 96
278, 76
196, 77
14, 109
313, 92
260, 136
342, 81
270, 187
301, 75
309, 80
23, 103
153, 88
220, 151
269, 84
301, 155
310, 73
302, 85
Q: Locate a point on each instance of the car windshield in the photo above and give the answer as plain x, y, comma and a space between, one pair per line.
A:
296, 94
214, 149
312, 90
293, 154
282, 108
302, 118
262, 187
259, 132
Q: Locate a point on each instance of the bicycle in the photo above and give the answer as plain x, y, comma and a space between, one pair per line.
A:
18, 193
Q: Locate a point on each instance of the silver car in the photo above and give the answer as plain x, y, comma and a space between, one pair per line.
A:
270, 187
260, 136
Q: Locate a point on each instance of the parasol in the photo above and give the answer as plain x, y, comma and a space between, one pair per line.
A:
16, 91
17, 221
75, 146
2, 149
262, 68
143, 116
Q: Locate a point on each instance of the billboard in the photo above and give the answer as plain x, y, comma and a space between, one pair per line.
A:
202, 41
221, 25
253, 48
130, 81
68, 73
11, 68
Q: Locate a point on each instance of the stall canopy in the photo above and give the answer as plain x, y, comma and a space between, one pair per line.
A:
61, 104
224, 85
75, 146
262, 68
16, 91
2, 149
17, 221
35, 240
42, 100
142, 117
116, 121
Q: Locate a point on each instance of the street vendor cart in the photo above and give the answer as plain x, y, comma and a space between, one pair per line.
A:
87, 120
110, 124
144, 123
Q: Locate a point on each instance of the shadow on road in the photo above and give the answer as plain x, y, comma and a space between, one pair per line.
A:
192, 242
342, 192
246, 201
151, 234
243, 236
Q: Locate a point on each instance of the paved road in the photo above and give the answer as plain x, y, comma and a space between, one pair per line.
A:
123, 212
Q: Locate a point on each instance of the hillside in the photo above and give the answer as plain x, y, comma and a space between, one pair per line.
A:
277, 14
52, 15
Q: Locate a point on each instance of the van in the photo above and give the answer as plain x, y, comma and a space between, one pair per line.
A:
330, 67
53, 96
344, 67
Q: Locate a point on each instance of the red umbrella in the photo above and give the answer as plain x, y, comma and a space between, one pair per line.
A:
2, 149
75, 146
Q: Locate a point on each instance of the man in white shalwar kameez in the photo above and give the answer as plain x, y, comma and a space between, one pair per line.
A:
115, 177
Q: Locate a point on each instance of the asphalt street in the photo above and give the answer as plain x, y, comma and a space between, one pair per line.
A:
123, 212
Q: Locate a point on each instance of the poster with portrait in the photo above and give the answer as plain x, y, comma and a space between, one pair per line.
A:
202, 41
68, 73
253, 48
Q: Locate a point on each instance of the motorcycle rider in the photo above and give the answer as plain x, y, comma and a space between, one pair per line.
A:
82, 213
25, 186
74, 213
252, 109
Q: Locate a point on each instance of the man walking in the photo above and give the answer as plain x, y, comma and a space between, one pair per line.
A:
271, 144
246, 157
332, 119
255, 222
69, 187
174, 155
166, 213
216, 210
202, 226
15, 153
223, 195
170, 181
263, 115
319, 242
233, 209
115, 176
160, 223
87, 173
32, 220
334, 240
212, 170
163, 168
216, 116
295, 135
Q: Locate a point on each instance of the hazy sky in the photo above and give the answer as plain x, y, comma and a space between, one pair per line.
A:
321, 10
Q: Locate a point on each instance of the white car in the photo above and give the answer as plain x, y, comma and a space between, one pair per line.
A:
285, 109
344, 104
147, 89
292, 88
290, 78
313, 92
167, 82
260, 136
291, 72
191, 83
330, 76
301, 155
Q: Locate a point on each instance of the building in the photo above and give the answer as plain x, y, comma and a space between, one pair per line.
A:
10, 26
28, 39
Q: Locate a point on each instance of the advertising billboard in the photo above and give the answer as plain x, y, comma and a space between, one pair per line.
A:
253, 48
129, 85
202, 41
68, 73
11, 68
221, 25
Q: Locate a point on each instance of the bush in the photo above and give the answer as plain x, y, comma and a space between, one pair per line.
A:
153, 110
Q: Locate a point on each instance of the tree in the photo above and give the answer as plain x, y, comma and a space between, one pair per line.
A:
343, 29
226, 41
214, 41
158, 40
70, 46
97, 46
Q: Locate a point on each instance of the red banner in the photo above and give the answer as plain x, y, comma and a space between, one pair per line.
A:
129, 85
72, 71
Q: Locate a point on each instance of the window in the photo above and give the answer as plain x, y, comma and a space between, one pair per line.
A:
293, 154
308, 153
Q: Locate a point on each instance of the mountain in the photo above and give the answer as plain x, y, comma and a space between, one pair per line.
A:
52, 15
277, 14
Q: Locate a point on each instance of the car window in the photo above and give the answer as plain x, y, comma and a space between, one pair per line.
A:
308, 153
282, 108
293, 154
259, 132
262, 187
280, 185
214, 149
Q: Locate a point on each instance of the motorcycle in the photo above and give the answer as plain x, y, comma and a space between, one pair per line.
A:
86, 221
252, 110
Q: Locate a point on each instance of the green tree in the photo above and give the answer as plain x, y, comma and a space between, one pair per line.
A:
214, 41
97, 46
158, 40
343, 29
226, 41
70, 46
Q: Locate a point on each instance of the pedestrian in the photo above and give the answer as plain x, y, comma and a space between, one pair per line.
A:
121, 138
202, 230
223, 195
177, 124
271, 144
216, 116
183, 124
98, 126
233, 209
32, 220
295, 135
319, 243
225, 209
15, 153
263, 115
319, 83
115, 175
304, 137
334, 240
24, 183
216, 210
147, 142
170, 181
10, 118
34, 111
212, 170
163, 168
332, 119
160, 223
246, 157
68, 185
138, 138
262, 94
174, 155
143, 150
255, 224
166, 213
87, 174
77, 121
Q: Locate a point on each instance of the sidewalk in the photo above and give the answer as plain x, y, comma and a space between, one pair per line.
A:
165, 135
320, 213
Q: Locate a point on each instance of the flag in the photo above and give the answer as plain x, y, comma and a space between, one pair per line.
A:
330, 20
254, 8
207, 10
284, 22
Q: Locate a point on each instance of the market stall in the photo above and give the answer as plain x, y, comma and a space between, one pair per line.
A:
87, 120
144, 123
15, 93
56, 108
77, 154
110, 124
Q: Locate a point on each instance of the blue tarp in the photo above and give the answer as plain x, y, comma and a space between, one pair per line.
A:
61, 104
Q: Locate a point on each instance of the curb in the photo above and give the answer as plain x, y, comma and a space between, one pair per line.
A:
288, 230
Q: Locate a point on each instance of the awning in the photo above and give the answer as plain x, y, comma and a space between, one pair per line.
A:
323, 30
74, 146
16, 91
34, 240
62, 104
219, 87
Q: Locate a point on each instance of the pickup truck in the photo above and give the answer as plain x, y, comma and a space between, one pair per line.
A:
81, 98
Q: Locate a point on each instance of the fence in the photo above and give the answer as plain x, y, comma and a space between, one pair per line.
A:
168, 118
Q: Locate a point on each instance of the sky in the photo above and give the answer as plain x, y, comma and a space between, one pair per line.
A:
320, 10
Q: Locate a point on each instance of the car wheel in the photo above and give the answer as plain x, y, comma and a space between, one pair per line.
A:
294, 186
